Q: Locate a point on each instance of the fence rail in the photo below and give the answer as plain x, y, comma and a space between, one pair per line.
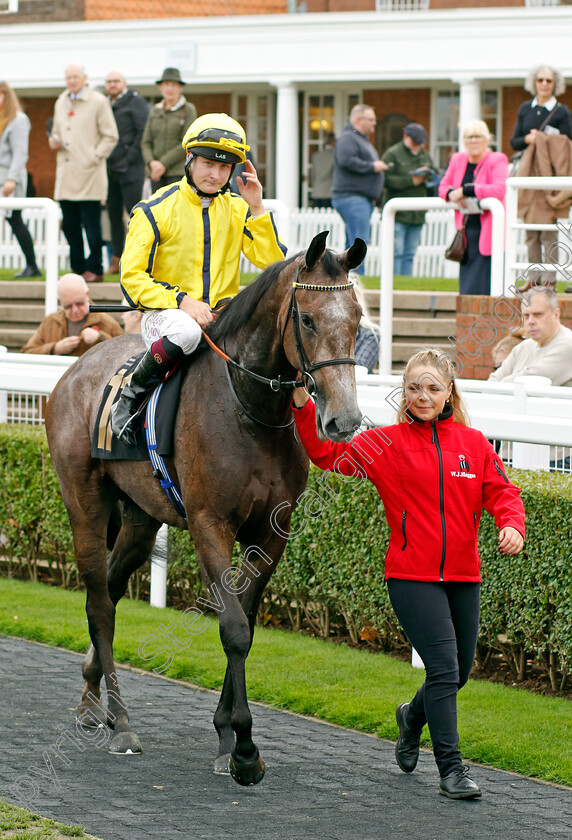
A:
304, 223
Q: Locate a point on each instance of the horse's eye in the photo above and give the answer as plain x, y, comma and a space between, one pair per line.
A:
307, 322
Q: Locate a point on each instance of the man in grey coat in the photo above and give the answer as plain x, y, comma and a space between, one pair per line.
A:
84, 134
358, 178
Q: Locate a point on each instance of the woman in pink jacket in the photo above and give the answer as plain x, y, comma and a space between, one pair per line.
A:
477, 173
434, 475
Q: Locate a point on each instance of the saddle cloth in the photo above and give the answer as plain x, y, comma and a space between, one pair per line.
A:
105, 445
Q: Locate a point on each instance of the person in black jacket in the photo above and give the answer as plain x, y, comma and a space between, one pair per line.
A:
125, 165
543, 113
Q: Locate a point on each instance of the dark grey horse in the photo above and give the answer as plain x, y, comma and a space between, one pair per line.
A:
236, 461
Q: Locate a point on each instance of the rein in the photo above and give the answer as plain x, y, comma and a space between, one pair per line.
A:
277, 384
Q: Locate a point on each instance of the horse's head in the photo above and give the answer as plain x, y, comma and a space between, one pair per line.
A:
322, 318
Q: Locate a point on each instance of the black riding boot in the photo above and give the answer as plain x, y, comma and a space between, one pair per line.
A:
146, 376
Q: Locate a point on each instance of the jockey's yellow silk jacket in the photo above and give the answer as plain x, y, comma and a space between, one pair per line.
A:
173, 245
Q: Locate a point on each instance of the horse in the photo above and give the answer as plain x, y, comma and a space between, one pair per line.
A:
238, 465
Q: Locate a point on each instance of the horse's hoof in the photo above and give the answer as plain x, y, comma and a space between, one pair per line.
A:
221, 765
248, 772
125, 743
91, 716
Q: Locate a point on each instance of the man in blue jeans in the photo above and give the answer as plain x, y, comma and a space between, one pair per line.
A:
358, 178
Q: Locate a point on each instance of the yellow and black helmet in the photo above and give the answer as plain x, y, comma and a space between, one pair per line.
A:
217, 137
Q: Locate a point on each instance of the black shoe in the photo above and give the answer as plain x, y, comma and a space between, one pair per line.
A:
29, 271
459, 785
146, 376
407, 747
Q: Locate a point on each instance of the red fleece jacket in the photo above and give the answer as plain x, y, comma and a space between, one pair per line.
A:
434, 479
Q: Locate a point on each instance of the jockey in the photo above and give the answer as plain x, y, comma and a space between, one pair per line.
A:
182, 253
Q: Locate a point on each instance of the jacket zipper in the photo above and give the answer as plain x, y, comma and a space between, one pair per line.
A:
435, 440
500, 471
475, 522
403, 518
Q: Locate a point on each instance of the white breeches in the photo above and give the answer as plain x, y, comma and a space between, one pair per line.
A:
173, 324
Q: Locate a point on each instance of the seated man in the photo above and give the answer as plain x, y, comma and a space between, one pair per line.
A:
182, 253
548, 349
74, 329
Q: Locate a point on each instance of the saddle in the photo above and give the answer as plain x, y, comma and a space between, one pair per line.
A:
105, 445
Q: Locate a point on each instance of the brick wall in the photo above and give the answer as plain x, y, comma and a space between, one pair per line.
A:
144, 9
482, 321
46, 11
415, 104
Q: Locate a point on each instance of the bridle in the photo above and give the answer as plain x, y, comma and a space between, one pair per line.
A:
306, 367
277, 384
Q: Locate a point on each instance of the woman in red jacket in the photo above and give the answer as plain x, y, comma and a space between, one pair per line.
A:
434, 475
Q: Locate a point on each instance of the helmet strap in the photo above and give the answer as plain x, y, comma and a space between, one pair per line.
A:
192, 184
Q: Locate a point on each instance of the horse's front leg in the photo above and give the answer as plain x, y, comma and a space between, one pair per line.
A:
245, 764
251, 585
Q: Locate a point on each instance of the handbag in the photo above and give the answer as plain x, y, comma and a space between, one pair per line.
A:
457, 248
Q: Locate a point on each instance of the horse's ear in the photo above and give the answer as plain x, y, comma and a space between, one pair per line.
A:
316, 250
354, 256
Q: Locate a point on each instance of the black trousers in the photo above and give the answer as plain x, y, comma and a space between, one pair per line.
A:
23, 237
77, 217
441, 621
122, 196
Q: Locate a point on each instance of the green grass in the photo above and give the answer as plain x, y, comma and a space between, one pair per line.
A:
505, 727
23, 825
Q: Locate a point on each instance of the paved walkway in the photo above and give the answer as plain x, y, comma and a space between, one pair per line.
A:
322, 782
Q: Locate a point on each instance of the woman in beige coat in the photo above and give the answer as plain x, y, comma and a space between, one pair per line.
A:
84, 134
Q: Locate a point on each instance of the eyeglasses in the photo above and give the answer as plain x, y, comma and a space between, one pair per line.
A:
475, 137
548, 81
113, 81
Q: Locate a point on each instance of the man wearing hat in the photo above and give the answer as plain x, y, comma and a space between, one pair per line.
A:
165, 129
404, 159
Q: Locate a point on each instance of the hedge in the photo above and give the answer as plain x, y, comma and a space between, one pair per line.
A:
332, 571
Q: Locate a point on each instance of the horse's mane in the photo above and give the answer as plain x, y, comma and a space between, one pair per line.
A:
238, 312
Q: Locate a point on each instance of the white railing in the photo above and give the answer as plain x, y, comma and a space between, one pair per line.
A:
306, 222
529, 413
515, 267
48, 252
386, 275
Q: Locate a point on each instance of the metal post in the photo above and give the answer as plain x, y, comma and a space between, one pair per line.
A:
158, 591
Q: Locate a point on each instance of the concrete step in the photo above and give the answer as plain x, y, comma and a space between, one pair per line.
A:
403, 349
423, 327
18, 313
14, 338
35, 290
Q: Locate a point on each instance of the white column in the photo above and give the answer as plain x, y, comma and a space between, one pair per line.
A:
469, 103
287, 164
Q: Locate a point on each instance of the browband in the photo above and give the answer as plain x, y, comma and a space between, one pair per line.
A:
312, 288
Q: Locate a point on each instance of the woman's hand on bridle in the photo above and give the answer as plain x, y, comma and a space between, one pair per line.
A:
300, 396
